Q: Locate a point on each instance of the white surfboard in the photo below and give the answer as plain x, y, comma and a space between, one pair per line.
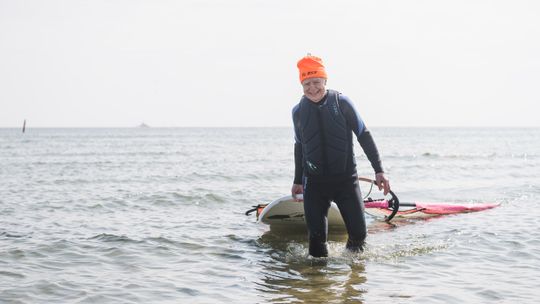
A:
286, 211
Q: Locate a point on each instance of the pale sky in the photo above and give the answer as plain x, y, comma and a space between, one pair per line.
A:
118, 63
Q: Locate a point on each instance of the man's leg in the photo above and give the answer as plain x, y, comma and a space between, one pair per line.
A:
316, 206
351, 206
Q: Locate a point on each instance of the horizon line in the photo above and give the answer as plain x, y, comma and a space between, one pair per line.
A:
244, 127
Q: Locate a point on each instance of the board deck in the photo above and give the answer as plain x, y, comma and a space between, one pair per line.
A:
286, 211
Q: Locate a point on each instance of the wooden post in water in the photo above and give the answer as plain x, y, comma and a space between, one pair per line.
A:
24, 126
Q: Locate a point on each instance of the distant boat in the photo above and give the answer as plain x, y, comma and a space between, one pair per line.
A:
143, 125
24, 126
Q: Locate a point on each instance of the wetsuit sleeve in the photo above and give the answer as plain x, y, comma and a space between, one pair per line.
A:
298, 165
298, 169
362, 133
370, 149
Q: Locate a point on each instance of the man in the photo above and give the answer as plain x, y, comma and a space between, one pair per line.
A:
325, 165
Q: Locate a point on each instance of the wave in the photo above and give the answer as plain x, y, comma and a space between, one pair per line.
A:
106, 237
9, 235
465, 156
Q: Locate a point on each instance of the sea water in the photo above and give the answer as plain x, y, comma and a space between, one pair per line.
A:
151, 215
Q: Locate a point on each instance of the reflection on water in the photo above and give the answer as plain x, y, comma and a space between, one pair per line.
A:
289, 275
379, 225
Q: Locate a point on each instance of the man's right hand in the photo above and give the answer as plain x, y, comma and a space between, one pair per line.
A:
297, 189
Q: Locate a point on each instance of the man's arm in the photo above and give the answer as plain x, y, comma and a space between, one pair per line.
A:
366, 141
362, 133
298, 166
370, 149
297, 187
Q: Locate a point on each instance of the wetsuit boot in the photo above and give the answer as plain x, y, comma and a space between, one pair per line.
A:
355, 245
318, 246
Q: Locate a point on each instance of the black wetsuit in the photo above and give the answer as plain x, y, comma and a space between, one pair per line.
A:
326, 167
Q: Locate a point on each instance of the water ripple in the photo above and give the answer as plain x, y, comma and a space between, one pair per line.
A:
156, 216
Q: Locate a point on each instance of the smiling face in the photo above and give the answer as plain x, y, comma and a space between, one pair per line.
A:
314, 88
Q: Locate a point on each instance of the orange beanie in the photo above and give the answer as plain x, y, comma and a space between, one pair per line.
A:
311, 67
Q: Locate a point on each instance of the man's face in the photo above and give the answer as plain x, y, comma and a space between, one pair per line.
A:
314, 88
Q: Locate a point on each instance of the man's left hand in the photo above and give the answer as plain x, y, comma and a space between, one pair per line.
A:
382, 182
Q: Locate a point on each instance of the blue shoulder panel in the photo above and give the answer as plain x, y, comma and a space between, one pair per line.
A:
352, 116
